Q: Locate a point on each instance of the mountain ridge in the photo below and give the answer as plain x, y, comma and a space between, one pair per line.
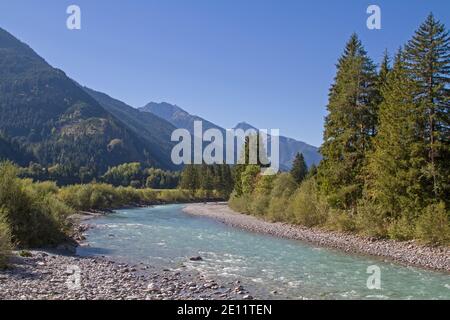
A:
180, 118
59, 123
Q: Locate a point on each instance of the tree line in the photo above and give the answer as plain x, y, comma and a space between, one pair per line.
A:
210, 179
385, 169
132, 174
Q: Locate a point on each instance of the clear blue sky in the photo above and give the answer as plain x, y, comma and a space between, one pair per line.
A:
269, 63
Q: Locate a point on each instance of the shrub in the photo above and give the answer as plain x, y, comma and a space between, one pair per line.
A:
371, 220
261, 195
248, 178
341, 220
259, 204
433, 226
149, 196
284, 186
34, 217
5, 242
401, 229
239, 203
176, 195
306, 207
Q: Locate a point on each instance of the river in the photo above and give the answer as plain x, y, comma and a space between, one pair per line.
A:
165, 236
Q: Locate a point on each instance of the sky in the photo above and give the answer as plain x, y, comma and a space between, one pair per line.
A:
267, 62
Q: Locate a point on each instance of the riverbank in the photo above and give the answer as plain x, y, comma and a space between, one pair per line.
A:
49, 275
43, 275
407, 253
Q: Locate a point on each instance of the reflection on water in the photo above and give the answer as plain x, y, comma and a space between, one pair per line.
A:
165, 236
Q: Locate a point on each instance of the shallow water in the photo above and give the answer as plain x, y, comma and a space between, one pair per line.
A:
164, 236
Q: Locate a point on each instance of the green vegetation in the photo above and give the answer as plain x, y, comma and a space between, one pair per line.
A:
34, 214
5, 241
385, 169
134, 175
299, 169
349, 126
210, 181
48, 118
32, 211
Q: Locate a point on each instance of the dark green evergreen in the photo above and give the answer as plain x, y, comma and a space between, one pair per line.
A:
349, 126
427, 58
299, 169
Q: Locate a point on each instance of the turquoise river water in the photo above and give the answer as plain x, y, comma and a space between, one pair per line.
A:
164, 236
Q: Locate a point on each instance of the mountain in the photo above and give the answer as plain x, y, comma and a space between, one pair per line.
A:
177, 116
182, 119
9, 150
289, 148
53, 118
155, 131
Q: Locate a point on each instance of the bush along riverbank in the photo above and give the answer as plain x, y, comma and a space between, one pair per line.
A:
36, 214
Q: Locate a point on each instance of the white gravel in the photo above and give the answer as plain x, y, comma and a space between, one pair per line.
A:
50, 276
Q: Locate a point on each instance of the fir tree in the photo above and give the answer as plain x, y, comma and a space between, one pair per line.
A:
349, 126
299, 169
428, 62
394, 168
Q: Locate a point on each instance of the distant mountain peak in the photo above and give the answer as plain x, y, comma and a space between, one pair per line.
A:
245, 126
182, 119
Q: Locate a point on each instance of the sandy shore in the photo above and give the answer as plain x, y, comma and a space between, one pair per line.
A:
406, 253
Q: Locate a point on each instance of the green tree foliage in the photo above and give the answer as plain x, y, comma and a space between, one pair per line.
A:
123, 174
284, 186
212, 180
5, 240
408, 170
299, 169
190, 179
433, 226
349, 126
385, 168
394, 168
249, 178
312, 171
427, 57
161, 179
253, 154
226, 183
306, 207
261, 194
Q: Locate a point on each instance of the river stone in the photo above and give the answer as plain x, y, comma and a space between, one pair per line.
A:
196, 258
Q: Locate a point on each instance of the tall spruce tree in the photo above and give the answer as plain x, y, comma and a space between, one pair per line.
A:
394, 168
299, 169
349, 126
428, 63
